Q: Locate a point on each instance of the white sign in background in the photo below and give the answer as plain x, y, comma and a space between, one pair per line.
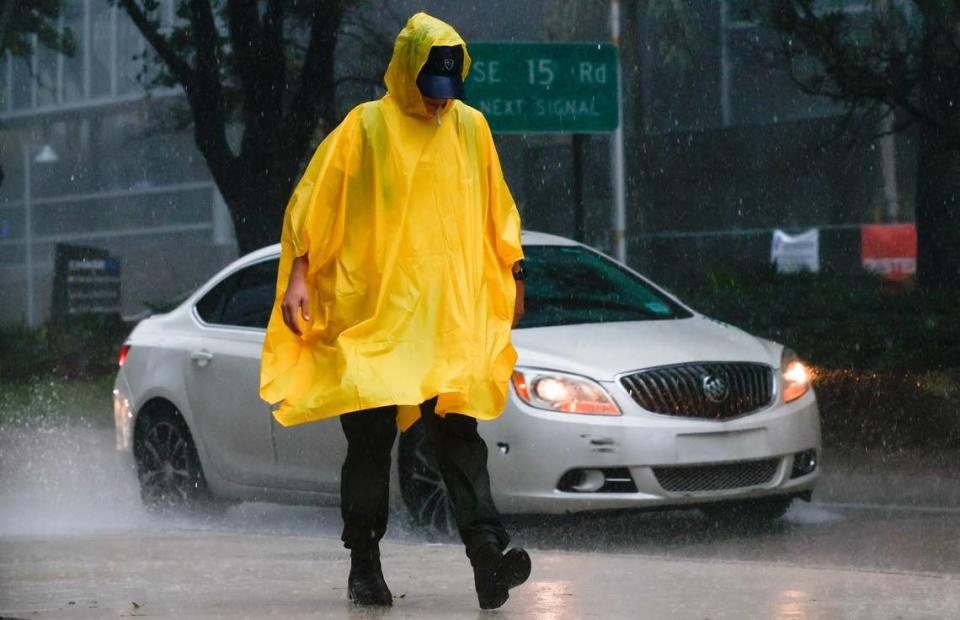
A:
793, 253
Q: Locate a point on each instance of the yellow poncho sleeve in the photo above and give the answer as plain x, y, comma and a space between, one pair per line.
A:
313, 224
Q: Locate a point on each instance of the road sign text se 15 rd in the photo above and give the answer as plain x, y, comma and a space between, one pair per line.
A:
545, 87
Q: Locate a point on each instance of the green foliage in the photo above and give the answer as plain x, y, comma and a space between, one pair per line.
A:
899, 56
48, 401
680, 36
19, 21
77, 346
838, 321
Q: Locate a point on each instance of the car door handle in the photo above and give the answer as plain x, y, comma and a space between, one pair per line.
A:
202, 357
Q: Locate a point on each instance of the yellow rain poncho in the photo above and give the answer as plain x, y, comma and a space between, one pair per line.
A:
411, 234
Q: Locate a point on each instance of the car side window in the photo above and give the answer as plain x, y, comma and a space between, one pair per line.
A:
243, 299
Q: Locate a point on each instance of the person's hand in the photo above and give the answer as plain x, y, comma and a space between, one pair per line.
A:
296, 298
518, 304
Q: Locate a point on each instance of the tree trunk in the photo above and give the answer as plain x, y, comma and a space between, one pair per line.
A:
257, 184
937, 210
256, 208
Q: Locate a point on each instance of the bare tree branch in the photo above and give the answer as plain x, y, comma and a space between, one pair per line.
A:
322, 39
266, 65
178, 66
848, 69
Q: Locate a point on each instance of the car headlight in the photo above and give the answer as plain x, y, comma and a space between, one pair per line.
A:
795, 376
563, 392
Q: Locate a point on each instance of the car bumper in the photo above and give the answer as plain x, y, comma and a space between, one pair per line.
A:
670, 461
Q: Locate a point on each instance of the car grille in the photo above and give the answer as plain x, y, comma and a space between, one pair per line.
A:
716, 477
736, 388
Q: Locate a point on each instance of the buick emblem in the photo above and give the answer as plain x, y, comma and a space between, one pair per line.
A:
715, 388
448, 64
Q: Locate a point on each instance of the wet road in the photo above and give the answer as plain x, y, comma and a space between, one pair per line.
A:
224, 573
75, 543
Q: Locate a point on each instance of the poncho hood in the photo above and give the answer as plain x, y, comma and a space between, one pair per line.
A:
410, 53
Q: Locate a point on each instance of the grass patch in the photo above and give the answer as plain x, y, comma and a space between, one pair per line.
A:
61, 372
57, 401
74, 347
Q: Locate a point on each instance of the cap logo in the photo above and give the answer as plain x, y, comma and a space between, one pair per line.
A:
448, 64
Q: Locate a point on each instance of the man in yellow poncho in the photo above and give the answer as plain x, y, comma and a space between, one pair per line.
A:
400, 278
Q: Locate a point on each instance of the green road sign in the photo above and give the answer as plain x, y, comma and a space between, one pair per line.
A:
545, 87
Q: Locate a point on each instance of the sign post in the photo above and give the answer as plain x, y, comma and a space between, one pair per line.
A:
619, 220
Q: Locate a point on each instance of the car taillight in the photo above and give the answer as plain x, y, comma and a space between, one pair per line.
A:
122, 356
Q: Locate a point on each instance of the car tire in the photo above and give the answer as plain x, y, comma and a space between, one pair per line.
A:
748, 512
421, 486
168, 466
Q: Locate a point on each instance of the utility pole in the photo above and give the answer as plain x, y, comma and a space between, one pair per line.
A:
725, 110
28, 231
888, 144
619, 219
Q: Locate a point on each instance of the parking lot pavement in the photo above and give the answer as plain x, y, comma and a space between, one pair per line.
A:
220, 574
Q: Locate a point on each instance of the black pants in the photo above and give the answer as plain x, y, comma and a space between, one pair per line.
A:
461, 456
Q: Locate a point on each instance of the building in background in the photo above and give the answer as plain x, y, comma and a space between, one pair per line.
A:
90, 160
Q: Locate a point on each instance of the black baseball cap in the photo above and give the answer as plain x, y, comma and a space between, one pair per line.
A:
440, 76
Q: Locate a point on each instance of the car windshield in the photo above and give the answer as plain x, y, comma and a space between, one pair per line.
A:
570, 284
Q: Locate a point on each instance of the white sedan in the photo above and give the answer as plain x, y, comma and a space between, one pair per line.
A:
622, 397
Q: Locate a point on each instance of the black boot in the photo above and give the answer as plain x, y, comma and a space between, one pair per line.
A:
494, 574
366, 585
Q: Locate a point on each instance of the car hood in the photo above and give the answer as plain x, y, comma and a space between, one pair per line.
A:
602, 350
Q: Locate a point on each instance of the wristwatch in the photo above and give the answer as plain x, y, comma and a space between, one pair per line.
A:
520, 273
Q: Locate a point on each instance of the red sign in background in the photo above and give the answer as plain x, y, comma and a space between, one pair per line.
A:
889, 249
